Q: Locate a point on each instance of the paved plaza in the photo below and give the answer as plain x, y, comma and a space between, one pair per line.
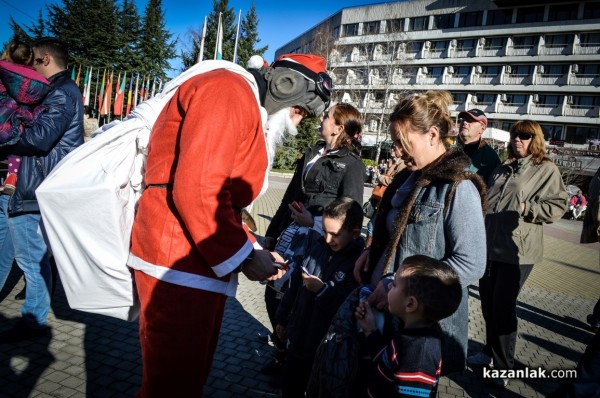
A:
96, 356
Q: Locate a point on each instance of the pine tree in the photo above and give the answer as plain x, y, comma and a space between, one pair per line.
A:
156, 46
128, 34
89, 28
38, 29
249, 37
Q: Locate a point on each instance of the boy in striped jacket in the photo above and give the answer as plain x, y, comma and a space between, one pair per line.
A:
423, 291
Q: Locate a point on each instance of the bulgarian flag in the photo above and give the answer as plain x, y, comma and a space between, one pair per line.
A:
101, 96
120, 95
87, 86
105, 108
128, 109
135, 92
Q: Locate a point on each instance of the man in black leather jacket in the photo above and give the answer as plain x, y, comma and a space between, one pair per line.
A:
56, 132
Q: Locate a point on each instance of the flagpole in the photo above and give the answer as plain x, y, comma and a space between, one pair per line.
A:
237, 35
201, 52
219, 41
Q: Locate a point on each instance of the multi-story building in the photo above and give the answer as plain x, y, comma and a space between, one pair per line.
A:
512, 59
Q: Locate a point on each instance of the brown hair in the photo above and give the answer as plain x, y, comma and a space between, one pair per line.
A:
435, 285
350, 118
55, 47
420, 112
18, 53
537, 148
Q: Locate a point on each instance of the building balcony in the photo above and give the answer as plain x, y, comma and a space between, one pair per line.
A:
491, 52
521, 80
545, 109
581, 111
584, 80
587, 49
520, 51
485, 79
551, 80
554, 50
512, 108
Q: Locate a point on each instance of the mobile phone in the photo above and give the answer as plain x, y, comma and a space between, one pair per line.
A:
284, 266
296, 206
306, 271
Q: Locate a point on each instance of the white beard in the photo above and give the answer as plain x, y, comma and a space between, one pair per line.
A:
278, 124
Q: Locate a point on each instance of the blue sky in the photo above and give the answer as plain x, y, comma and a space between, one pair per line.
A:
279, 21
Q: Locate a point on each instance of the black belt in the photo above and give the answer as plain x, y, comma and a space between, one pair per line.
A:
161, 186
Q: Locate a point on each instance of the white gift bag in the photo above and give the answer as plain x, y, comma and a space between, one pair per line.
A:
88, 205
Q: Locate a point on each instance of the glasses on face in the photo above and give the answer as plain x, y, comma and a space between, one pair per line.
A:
522, 136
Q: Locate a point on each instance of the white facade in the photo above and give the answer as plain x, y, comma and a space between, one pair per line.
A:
512, 59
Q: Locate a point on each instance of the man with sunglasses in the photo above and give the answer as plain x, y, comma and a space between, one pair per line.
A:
54, 133
484, 159
208, 157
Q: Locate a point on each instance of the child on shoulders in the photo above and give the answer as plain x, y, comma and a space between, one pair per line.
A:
22, 89
423, 292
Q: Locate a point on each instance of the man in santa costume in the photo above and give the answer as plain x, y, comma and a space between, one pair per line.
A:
208, 159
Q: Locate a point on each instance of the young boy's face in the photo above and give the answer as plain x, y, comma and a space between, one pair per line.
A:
336, 236
397, 296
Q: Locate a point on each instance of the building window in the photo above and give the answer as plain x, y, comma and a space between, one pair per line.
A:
553, 70
557, 40
462, 71
525, 41
444, 21
465, 44
591, 10
469, 19
563, 12
580, 134
394, 25
417, 23
494, 43
552, 100
522, 70
589, 70
371, 28
516, 99
350, 29
499, 17
530, 14
336, 32
485, 99
439, 46
551, 131
589, 39
459, 98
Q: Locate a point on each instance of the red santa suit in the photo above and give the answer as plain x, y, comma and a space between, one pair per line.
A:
207, 160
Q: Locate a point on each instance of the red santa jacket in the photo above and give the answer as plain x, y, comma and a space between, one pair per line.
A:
208, 147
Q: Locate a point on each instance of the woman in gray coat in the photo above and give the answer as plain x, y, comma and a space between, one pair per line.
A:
524, 192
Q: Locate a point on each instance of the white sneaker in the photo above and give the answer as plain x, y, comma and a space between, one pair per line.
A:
480, 359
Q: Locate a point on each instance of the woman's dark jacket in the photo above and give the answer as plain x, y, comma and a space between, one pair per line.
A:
339, 173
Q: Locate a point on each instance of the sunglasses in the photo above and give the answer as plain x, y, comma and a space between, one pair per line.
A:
522, 136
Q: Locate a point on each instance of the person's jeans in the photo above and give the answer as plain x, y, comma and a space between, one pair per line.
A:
24, 236
7, 252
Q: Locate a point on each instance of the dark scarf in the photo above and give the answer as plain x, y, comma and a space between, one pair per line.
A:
452, 168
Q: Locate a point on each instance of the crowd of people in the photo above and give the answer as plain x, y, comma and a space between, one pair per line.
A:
403, 289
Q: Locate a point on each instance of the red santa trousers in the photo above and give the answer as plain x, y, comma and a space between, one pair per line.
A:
179, 331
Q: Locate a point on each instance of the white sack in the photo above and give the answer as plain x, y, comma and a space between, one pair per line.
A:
88, 205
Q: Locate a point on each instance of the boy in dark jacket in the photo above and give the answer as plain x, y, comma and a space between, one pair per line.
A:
317, 289
423, 292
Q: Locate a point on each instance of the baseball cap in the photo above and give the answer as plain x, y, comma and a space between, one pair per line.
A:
476, 114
